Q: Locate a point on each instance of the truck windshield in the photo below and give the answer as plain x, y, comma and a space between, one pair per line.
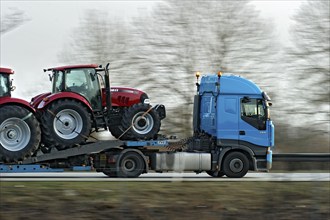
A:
4, 85
253, 112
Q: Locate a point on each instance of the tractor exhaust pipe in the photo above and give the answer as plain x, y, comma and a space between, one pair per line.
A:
107, 87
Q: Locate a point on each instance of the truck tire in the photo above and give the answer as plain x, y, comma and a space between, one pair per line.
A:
131, 165
215, 173
235, 165
65, 123
141, 122
19, 133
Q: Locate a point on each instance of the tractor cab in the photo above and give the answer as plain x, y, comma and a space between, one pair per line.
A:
5, 83
80, 79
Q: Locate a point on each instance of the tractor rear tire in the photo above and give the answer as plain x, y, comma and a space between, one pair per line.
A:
140, 122
64, 124
19, 133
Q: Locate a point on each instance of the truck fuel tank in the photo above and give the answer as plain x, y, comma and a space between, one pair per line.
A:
180, 161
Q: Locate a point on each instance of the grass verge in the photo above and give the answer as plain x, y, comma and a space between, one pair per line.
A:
164, 200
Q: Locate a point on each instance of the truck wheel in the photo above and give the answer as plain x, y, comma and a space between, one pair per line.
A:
19, 133
65, 123
141, 122
131, 165
235, 165
215, 173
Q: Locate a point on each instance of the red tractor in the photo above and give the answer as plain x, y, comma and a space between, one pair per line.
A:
81, 100
19, 129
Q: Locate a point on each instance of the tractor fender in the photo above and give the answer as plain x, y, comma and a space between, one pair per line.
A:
37, 99
136, 151
240, 148
16, 101
63, 95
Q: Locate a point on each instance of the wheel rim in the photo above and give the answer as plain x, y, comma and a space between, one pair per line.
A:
236, 165
142, 123
129, 165
15, 134
68, 124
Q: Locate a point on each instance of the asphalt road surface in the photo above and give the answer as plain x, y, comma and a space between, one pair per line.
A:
161, 177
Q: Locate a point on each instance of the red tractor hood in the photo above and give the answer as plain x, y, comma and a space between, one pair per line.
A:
123, 96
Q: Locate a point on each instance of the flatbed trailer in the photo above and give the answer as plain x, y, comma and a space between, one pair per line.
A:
117, 158
79, 158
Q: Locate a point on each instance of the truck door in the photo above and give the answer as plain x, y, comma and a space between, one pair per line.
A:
253, 126
227, 119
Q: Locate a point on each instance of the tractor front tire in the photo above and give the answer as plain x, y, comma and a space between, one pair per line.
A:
65, 123
19, 133
140, 122
117, 132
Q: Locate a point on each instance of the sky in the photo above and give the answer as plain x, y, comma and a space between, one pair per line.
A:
36, 44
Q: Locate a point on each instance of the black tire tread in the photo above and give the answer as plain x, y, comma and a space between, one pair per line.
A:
48, 134
127, 118
232, 155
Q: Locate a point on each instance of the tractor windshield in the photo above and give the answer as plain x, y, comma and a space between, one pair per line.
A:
4, 85
82, 81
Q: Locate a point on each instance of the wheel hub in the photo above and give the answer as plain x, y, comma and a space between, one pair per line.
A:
142, 123
11, 134
68, 124
236, 165
129, 165
15, 134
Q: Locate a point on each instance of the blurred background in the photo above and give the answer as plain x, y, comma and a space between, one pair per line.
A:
157, 46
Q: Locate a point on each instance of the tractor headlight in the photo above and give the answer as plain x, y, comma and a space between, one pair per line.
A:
146, 101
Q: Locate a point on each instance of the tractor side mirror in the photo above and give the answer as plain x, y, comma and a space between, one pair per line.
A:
50, 77
12, 88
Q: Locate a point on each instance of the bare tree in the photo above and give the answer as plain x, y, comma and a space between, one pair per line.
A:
310, 63
186, 36
12, 19
100, 39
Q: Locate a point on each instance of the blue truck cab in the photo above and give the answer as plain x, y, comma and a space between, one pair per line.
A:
234, 112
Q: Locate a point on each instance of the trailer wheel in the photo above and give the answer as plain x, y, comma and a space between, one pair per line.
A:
141, 122
235, 165
131, 165
19, 133
215, 173
65, 123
